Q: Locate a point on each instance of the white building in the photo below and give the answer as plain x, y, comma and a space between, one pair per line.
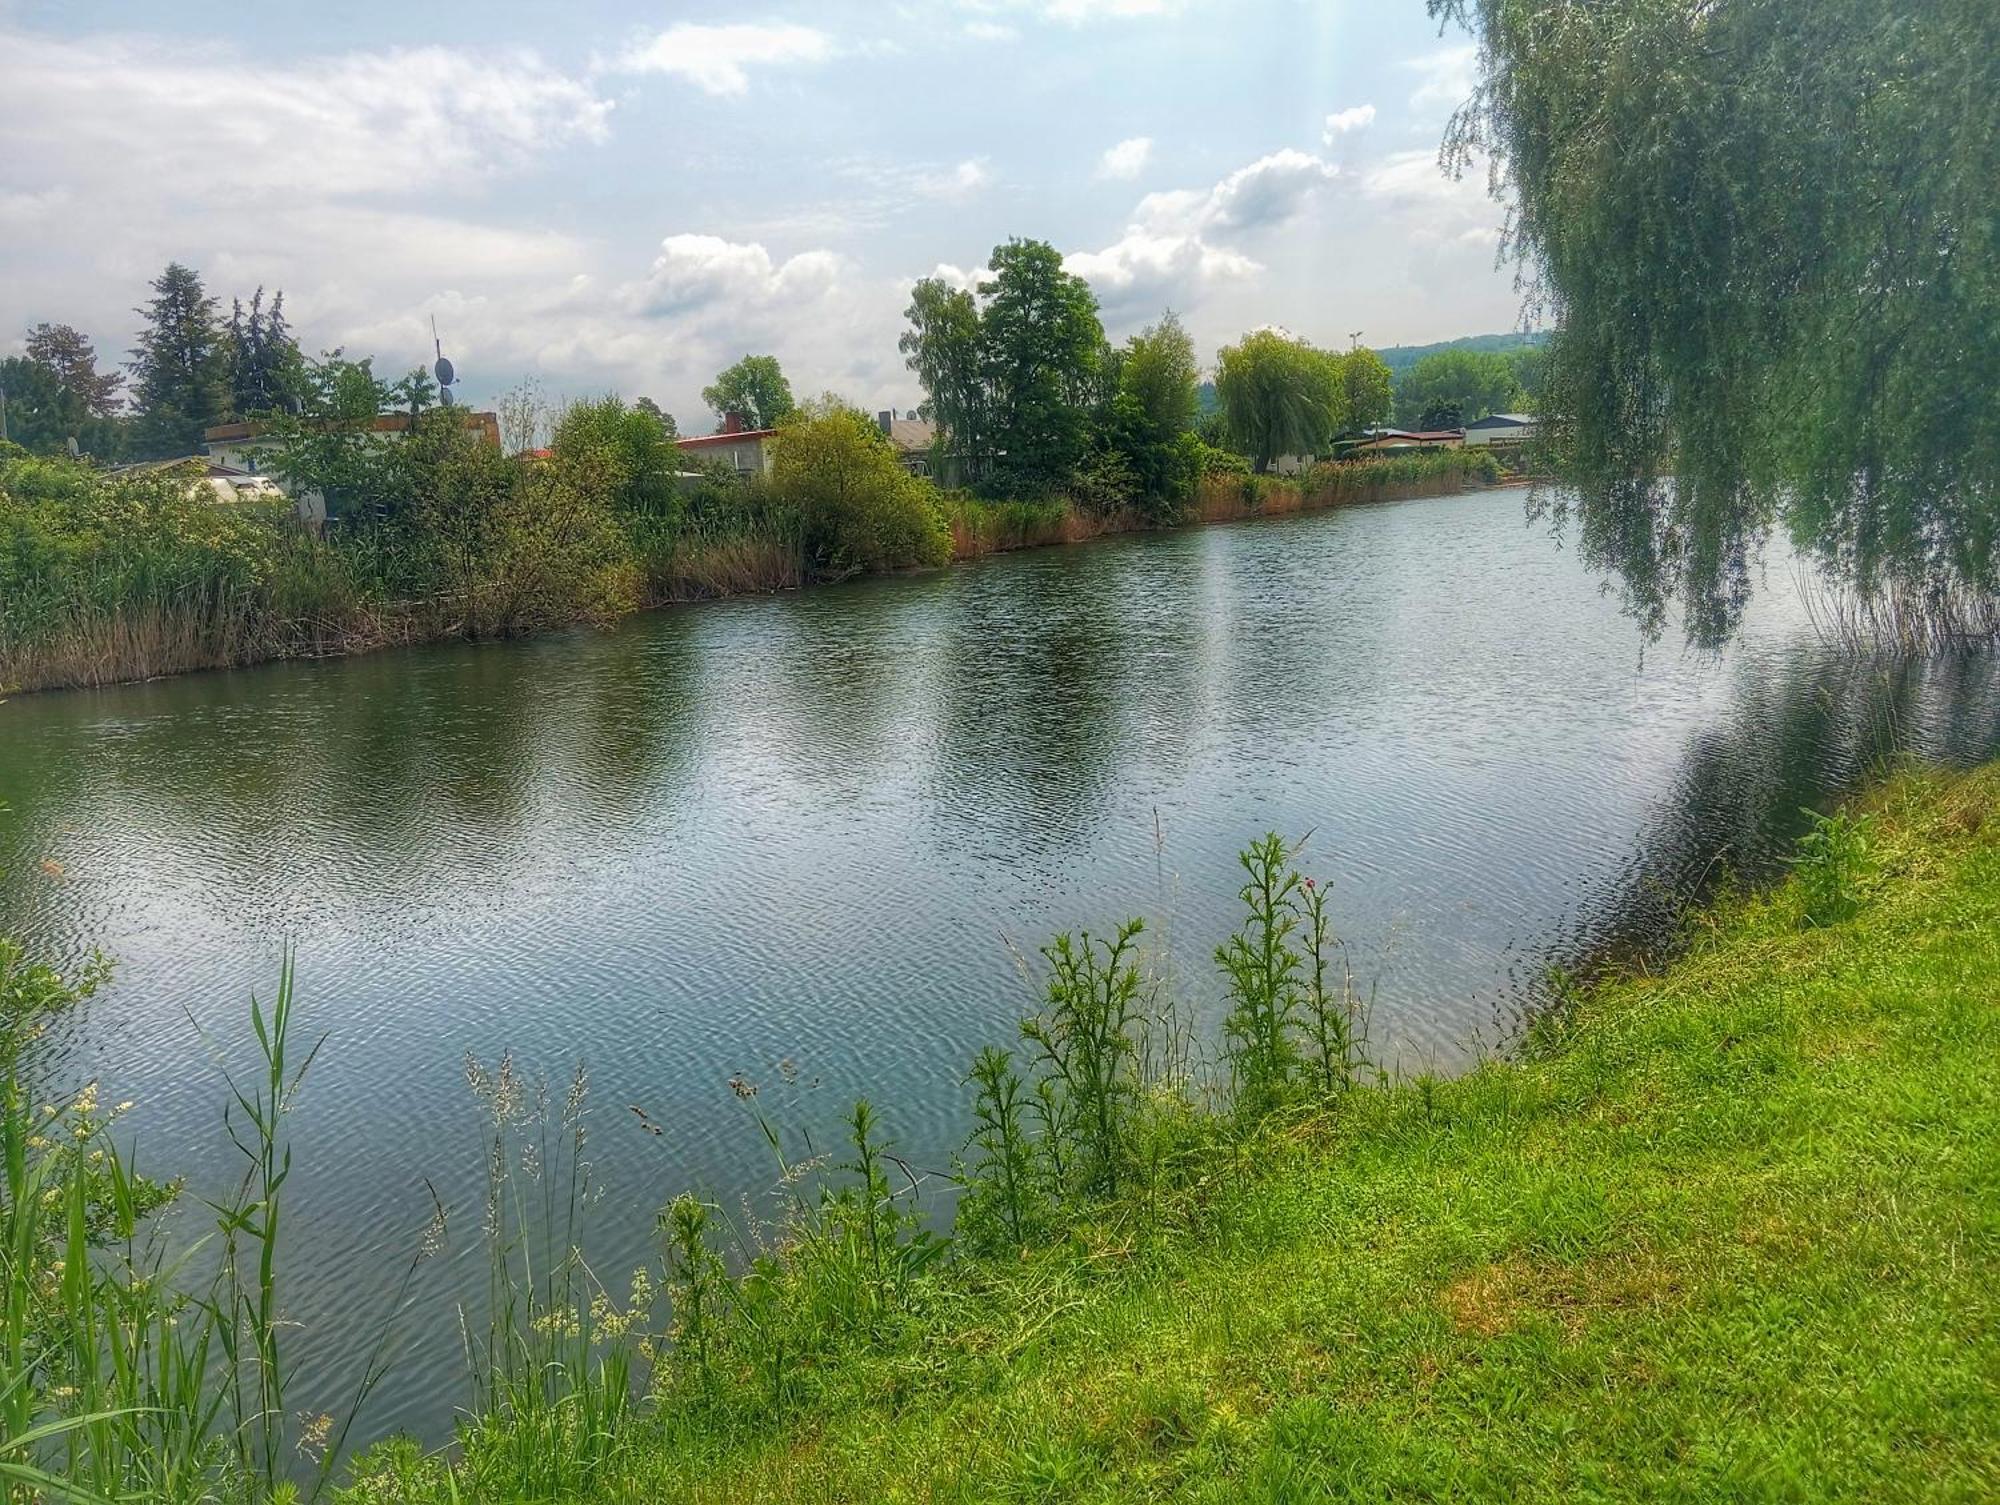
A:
748, 452
1501, 430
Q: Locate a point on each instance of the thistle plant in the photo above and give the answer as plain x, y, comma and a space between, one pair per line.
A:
1265, 988
1003, 1197
1086, 1049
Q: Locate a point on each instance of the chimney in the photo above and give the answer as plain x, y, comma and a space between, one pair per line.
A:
886, 421
732, 423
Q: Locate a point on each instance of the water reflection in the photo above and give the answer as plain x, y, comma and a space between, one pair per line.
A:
804, 827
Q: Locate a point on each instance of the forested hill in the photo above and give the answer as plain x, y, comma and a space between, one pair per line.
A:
1399, 358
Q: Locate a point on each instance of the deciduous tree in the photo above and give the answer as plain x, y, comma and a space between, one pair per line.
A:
1764, 231
1280, 396
754, 389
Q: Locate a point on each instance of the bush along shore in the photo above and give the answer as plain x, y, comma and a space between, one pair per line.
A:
109, 578
1725, 1230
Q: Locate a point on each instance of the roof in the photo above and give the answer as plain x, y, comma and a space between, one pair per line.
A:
1504, 421
909, 434
709, 441
214, 470
487, 423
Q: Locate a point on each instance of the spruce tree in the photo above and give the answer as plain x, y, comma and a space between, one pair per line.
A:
179, 367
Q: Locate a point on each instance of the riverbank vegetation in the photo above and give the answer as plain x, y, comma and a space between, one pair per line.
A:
1045, 432
1718, 1229
106, 578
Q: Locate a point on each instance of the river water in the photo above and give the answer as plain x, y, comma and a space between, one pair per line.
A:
821, 829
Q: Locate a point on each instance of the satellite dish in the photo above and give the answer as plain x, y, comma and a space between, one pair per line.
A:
444, 396
445, 374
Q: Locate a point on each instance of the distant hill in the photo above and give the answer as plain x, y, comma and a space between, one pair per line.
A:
1399, 358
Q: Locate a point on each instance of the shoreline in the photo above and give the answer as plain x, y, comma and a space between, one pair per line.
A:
978, 530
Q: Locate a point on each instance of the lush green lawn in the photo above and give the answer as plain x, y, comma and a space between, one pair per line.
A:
1733, 1236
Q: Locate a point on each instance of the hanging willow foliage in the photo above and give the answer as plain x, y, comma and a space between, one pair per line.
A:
1768, 235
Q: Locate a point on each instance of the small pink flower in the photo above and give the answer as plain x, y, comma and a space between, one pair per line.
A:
1311, 884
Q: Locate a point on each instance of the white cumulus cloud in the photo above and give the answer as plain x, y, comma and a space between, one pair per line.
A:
1127, 159
718, 59
1342, 122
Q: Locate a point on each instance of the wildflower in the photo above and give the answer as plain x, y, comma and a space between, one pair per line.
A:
742, 1087
125, 1107
313, 1434
86, 1100
1311, 884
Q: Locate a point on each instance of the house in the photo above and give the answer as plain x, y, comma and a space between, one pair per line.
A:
1383, 441
1501, 430
746, 451
226, 483
252, 446
912, 438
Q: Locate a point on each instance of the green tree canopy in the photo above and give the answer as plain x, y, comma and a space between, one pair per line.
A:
1766, 231
944, 346
1042, 348
659, 415
180, 376
1280, 396
858, 509
755, 389
1015, 375
266, 370
1369, 387
1475, 382
1151, 418
55, 393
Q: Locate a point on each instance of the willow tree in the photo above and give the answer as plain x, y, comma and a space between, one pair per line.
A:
1768, 235
1280, 396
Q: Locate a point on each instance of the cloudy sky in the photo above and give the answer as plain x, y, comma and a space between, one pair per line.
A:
628, 194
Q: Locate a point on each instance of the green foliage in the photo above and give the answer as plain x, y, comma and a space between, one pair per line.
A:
1014, 382
755, 390
1475, 383
1280, 396
1266, 991
1041, 347
857, 508
1004, 1202
1086, 1048
1831, 861
1332, 1018
1370, 389
1400, 358
180, 375
266, 369
1764, 232
55, 393
944, 346
1151, 419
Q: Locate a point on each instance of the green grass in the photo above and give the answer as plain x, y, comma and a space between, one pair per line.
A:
1724, 1233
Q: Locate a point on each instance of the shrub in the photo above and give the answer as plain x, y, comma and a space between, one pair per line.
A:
857, 508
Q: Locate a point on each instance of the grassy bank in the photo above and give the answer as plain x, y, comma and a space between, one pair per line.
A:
105, 580
1727, 1232
1724, 1232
